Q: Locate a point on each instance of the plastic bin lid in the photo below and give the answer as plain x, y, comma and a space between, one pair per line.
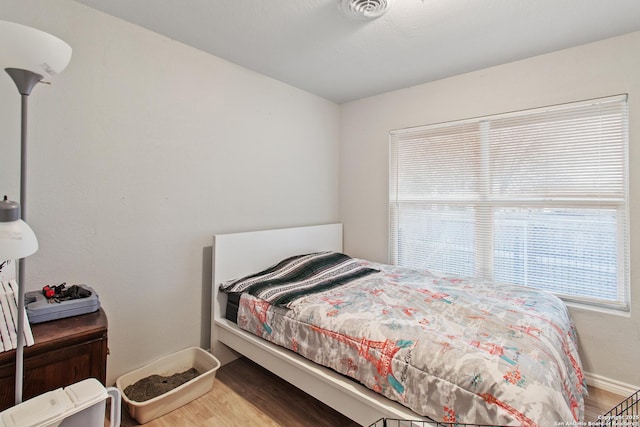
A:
86, 392
37, 411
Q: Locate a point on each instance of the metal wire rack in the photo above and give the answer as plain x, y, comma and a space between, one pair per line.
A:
624, 414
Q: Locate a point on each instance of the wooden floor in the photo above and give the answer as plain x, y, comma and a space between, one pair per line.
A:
244, 394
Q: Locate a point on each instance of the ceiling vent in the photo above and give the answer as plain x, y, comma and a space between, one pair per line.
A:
364, 9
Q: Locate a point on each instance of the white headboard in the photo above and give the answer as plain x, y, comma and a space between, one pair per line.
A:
238, 254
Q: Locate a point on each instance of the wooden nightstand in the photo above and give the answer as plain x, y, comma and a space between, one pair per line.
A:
65, 351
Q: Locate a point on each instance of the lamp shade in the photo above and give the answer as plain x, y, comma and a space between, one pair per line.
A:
30, 49
17, 239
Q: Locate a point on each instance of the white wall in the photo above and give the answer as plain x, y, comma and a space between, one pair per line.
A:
139, 152
610, 344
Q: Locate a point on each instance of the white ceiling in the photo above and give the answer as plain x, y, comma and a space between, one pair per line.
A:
312, 45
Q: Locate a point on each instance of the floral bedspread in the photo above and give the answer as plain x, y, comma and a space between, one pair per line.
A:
452, 349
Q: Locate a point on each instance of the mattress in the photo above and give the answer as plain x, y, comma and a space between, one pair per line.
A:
452, 349
233, 304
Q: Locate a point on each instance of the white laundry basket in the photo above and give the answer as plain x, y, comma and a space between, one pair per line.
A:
82, 404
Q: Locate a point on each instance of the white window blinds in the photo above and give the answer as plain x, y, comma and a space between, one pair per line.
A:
536, 197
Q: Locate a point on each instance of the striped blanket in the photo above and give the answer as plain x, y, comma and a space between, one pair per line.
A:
298, 276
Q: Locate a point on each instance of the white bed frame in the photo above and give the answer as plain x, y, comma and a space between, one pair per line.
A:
236, 255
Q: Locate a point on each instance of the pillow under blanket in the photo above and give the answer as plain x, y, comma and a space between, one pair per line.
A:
295, 277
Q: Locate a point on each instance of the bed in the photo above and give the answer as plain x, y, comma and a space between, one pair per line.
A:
237, 255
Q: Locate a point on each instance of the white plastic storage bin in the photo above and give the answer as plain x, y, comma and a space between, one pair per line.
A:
194, 357
79, 405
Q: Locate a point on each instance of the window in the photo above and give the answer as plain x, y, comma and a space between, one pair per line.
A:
535, 198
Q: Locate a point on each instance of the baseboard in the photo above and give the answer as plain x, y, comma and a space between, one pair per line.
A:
608, 384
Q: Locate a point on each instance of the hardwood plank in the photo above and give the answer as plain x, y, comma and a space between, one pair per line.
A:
246, 394
599, 402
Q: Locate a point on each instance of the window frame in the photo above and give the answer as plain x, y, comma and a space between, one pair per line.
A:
484, 200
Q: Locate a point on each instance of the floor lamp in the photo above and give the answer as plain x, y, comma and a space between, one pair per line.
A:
17, 241
27, 55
